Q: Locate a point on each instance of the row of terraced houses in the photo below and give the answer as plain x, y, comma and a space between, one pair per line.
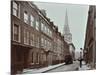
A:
35, 40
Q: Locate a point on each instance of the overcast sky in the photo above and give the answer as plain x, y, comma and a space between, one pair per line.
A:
77, 19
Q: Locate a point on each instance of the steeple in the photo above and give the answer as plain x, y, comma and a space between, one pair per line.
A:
66, 27
66, 31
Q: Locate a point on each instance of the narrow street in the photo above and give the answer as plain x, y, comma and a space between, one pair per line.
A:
69, 67
43, 40
59, 68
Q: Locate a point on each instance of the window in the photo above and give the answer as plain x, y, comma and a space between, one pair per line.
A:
37, 25
42, 26
37, 42
15, 9
32, 57
32, 21
37, 58
18, 55
50, 33
32, 39
44, 29
45, 43
25, 17
42, 42
48, 45
16, 32
26, 37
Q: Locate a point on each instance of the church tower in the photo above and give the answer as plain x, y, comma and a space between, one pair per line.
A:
66, 31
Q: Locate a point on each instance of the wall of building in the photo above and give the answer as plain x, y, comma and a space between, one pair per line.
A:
90, 39
35, 40
72, 50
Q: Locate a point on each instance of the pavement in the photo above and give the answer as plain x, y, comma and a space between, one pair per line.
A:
84, 67
58, 68
41, 70
65, 68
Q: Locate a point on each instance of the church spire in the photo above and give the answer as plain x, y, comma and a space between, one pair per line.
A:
66, 31
66, 26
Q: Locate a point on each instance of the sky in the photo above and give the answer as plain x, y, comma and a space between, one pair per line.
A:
77, 19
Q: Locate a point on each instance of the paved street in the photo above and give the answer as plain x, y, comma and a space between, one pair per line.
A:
58, 68
70, 67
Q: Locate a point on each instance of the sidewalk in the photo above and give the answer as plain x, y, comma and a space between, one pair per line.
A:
84, 67
41, 70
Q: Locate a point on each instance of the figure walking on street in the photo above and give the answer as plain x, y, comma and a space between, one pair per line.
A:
80, 62
80, 58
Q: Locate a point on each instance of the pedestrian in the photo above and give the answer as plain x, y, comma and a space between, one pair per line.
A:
80, 62
80, 59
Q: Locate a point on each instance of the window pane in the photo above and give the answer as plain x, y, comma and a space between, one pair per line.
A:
32, 20
37, 57
25, 17
32, 57
15, 5
15, 9
42, 26
32, 39
16, 29
16, 32
27, 37
45, 29
14, 12
24, 36
37, 25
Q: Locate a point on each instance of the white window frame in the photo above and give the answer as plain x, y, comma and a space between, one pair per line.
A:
37, 42
45, 43
37, 25
46, 31
42, 42
32, 39
42, 26
26, 17
32, 20
50, 33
